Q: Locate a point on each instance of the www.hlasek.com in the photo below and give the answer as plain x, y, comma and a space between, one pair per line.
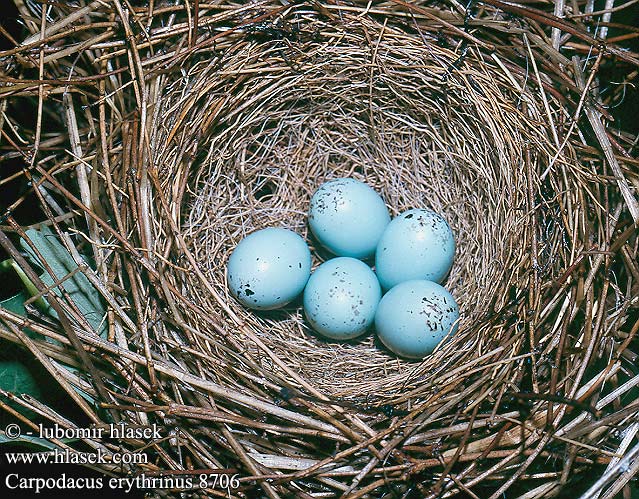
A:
68, 456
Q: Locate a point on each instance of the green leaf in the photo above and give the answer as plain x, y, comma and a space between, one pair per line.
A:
16, 375
17, 378
15, 304
79, 288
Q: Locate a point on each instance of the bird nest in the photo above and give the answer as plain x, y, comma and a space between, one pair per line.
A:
189, 139
391, 110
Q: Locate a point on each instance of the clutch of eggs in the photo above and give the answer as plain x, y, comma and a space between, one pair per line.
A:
343, 298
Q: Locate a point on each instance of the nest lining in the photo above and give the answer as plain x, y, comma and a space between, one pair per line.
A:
274, 121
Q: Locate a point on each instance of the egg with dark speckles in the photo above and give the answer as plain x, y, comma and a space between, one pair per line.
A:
415, 316
269, 268
341, 298
348, 217
417, 244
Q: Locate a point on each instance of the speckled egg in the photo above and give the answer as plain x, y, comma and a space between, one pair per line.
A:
348, 217
341, 298
414, 316
269, 268
417, 244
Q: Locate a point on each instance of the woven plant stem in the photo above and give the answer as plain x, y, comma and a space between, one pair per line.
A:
622, 471
556, 32
594, 117
77, 398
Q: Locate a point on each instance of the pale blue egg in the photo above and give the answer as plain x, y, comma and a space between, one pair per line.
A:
341, 298
414, 316
348, 217
269, 268
418, 244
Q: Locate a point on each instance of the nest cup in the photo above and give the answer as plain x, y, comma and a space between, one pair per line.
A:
272, 120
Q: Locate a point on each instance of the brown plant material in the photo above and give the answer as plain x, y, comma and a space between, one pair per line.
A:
163, 134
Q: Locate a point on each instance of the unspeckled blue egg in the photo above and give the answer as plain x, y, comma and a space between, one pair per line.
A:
418, 244
414, 316
341, 298
348, 217
269, 268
